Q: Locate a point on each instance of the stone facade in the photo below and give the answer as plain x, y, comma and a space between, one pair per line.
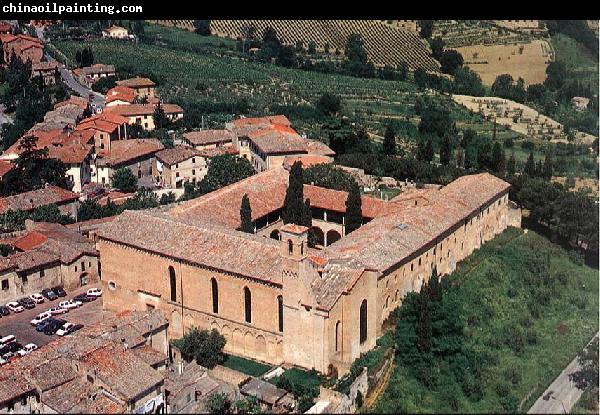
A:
280, 301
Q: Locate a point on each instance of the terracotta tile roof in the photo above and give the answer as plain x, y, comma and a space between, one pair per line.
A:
70, 148
132, 110
271, 119
30, 241
217, 151
73, 100
207, 137
337, 277
319, 148
388, 239
5, 167
198, 242
335, 200
122, 371
123, 151
35, 198
137, 82
176, 154
116, 197
91, 224
12, 386
52, 373
98, 68
32, 259
69, 397
120, 93
113, 28
272, 141
149, 355
44, 66
306, 160
295, 229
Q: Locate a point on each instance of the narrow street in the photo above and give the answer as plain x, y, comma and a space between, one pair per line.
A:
561, 395
68, 78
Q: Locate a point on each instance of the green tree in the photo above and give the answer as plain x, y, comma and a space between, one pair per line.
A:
446, 150
556, 73
6, 250
425, 150
248, 405
218, 403
353, 214
467, 82
529, 168
437, 47
160, 118
307, 221
206, 347
547, 168
450, 61
329, 176
511, 165
329, 104
426, 28
498, 158
246, 215
124, 180
202, 27
484, 158
293, 205
224, 170
167, 198
356, 61
389, 141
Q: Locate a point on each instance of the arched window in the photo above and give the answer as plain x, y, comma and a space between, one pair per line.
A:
247, 305
173, 283
215, 295
337, 336
290, 246
363, 321
280, 311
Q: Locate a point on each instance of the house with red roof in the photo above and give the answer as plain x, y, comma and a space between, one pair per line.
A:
23, 46
120, 95
143, 114
106, 127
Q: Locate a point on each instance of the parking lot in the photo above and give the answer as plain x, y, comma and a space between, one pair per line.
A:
19, 324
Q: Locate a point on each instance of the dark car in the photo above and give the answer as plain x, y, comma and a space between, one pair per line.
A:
84, 298
49, 321
60, 291
49, 294
12, 347
52, 327
4, 311
27, 302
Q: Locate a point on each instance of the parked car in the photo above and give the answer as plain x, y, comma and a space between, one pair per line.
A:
27, 302
28, 348
58, 310
15, 307
52, 327
69, 304
4, 311
40, 317
12, 347
60, 291
37, 298
83, 298
68, 328
49, 294
94, 292
6, 340
42, 326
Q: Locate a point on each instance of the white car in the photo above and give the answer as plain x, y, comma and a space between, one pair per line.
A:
38, 298
27, 349
15, 307
40, 317
94, 292
58, 310
67, 328
69, 304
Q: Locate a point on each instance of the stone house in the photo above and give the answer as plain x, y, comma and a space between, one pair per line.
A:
175, 166
143, 87
25, 47
136, 154
106, 127
67, 201
143, 114
205, 139
48, 71
115, 32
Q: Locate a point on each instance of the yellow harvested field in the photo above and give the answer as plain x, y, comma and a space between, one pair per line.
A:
525, 60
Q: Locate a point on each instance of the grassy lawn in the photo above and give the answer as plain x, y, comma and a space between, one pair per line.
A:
249, 367
503, 305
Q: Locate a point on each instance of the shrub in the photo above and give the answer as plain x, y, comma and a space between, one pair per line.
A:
203, 345
561, 277
510, 403
579, 300
512, 375
531, 337
534, 308
576, 257
502, 389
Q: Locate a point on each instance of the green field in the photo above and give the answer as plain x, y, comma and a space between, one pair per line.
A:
579, 61
497, 287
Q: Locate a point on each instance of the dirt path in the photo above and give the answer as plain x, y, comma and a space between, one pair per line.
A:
372, 398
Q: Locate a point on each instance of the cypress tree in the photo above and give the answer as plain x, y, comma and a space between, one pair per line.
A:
529, 168
246, 215
539, 167
511, 165
498, 158
353, 215
484, 157
307, 221
293, 205
547, 168
445, 150
389, 141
